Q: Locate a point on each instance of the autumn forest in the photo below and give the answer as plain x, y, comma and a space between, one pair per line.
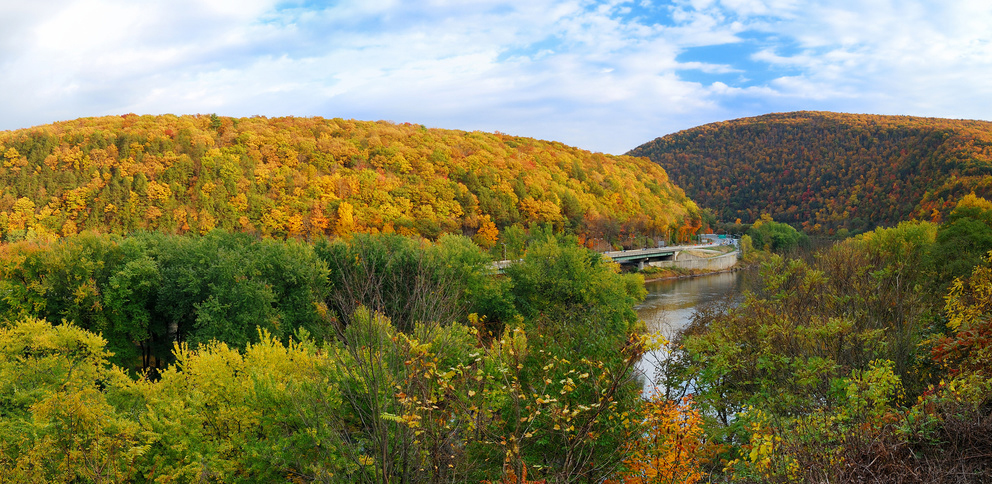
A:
305, 177
823, 172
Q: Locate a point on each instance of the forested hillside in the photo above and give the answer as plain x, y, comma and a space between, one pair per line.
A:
826, 171
307, 176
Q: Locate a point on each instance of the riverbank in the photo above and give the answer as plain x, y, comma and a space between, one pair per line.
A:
691, 263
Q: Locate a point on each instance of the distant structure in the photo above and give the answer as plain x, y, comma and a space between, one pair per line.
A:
686, 256
719, 239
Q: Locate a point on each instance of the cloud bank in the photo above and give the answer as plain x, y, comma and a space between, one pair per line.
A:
602, 75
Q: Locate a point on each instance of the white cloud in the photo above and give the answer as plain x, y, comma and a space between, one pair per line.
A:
603, 75
906, 57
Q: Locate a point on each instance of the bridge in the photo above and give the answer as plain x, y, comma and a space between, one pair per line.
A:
641, 257
638, 257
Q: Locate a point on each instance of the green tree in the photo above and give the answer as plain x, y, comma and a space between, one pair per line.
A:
770, 235
963, 239
406, 279
223, 286
575, 302
571, 287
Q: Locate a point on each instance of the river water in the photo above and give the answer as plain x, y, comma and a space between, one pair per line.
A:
669, 306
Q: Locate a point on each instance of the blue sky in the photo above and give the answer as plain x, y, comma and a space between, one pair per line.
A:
601, 75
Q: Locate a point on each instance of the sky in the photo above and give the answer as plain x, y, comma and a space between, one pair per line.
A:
603, 75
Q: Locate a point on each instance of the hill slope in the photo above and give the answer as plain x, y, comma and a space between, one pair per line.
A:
826, 171
307, 176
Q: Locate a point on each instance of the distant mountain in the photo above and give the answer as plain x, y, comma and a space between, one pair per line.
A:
309, 176
825, 171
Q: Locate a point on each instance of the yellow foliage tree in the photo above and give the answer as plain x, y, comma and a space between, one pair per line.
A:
69, 228
57, 424
22, 216
969, 302
346, 219
207, 222
972, 200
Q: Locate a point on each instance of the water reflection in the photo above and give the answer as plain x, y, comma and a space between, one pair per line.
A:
669, 306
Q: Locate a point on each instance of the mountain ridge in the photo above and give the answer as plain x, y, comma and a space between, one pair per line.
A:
313, 176
827, 171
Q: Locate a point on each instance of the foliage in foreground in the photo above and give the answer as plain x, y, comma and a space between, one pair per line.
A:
851, 366
143, 292
550, 395
848, 366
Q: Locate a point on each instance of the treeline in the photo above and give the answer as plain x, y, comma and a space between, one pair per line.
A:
304, 177
144, 292
868, 362
825, 171
229, 358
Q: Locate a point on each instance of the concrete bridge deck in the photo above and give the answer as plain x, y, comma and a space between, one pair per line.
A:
640, 257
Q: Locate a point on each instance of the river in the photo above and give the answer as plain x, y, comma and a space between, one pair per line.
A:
669, 306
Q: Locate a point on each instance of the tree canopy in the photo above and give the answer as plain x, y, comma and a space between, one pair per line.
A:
828, 171
305, 177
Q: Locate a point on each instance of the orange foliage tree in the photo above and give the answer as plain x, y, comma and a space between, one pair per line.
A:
488, 234
672, 447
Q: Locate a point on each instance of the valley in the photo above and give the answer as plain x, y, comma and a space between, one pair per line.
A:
207, 298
